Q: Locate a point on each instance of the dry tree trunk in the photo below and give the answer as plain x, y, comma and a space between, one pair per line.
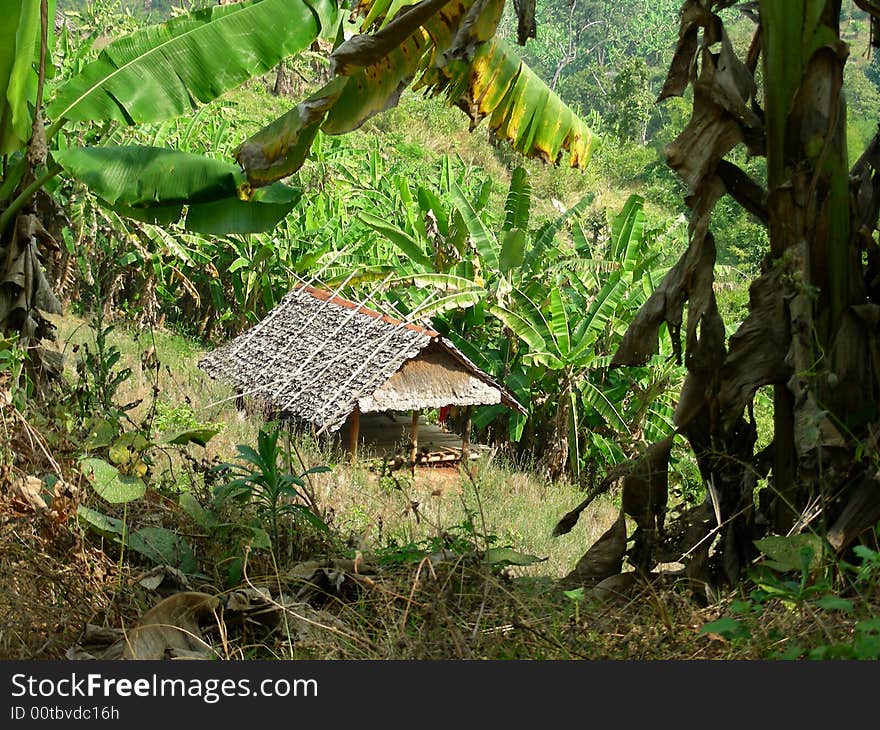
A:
812, 328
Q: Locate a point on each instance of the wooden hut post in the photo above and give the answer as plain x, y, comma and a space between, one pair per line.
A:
466, 435
354, 432
414, 435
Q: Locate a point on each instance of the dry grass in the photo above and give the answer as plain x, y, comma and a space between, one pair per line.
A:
55, 578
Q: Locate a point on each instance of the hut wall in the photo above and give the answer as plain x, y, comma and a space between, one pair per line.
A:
430, 380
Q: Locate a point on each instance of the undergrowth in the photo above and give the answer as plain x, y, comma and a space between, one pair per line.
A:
436, 564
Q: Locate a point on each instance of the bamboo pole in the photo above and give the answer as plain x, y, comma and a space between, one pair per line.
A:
414, 436
354, 432
466, 435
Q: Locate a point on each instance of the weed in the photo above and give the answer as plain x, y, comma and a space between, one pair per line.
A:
276, 494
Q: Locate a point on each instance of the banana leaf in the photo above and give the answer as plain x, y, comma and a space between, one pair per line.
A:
165, 70
449, 48
19, 42
153, 184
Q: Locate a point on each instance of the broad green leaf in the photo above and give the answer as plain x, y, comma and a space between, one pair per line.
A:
163, 547
112, 486
429, 201
259, 538
400, 238
150, 176
19, 42
559, 322
513, 250
596, 399
457, 300
201, 516
627, 233
595, 323
103, 524
835, 603
262, 212
199, 436
484, 415
481, 237
509, 556
519, 201
516, 425
101, 434
521, 327
574, 435
729, 628
165, 70
530, 310
441, 282
549, 232
785, 552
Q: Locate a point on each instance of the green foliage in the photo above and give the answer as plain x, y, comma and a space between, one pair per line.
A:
14, 383
165, 70
259, 480
800, 574
98, 379
160, 545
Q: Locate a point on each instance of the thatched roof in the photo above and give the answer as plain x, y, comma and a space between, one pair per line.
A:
316, 357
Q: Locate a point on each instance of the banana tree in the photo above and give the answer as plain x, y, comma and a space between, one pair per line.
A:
154, 74
812, 329
571, 327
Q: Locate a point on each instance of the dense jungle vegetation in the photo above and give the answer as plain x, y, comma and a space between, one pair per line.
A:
166, 181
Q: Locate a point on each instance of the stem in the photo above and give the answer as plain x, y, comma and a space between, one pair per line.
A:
44, 42
25, 195
124, 536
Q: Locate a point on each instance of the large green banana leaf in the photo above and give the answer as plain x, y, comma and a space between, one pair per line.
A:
165, 70
628, 232
153, 184
19, 43
449, 46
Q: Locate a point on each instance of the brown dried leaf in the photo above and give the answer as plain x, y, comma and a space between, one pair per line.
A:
757, 350
615, 586
646, 486
860, 513
172, 625
690, 279
28, 488
646, 466
603, 559
693, 17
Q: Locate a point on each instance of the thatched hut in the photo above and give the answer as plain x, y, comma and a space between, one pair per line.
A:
323, 361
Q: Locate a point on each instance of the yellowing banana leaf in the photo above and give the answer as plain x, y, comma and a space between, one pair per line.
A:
447, 44
521, 108
280, 149
366, 49
165, 70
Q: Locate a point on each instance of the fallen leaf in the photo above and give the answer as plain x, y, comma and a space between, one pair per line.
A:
172, 625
